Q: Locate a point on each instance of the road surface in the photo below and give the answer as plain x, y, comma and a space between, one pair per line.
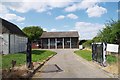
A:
66, 64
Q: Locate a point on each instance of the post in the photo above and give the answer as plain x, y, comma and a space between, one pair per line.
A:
70, 42
55, 43
41, 43
28, 55
63, 43
48, 43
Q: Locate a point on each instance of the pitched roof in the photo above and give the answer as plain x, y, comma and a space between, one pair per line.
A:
59, 34
13, 29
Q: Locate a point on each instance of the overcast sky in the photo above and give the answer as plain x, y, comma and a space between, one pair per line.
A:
83, 16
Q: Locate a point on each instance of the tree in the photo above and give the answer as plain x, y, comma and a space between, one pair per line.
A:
110, 34
87, 43
33, 32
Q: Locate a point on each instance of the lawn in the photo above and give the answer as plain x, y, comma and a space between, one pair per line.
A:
111, 59
20, 58
86, 54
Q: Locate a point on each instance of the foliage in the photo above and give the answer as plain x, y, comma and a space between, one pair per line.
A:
86, 54
82, 41
110, 34
20, 58
87, 43
33, 32
111, 59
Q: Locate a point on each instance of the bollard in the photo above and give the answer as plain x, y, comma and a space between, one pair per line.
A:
28, 55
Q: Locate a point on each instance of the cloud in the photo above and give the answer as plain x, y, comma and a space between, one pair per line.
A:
9, 16
72, 30
60, 17
45, 29
3, 9
96, 11
84, 4
71, 8
12, 17
88, 30
24, 6
118, 11
91, 7
72, 16
53, 29
49, 13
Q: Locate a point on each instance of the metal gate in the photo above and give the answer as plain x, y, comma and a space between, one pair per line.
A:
98, 54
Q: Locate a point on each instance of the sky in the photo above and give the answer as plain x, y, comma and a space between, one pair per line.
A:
85, 16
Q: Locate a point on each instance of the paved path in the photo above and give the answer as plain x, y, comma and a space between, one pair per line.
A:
71, 65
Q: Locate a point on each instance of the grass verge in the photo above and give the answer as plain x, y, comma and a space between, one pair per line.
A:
20, 58
111, 59
86, 54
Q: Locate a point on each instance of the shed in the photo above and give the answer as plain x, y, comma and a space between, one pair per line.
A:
57, 40
12, 38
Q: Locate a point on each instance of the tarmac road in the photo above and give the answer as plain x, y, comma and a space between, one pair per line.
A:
66, 64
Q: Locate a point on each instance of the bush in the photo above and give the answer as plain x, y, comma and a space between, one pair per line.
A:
87, 44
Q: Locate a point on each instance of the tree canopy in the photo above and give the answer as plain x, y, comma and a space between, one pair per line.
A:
111, 33
33, 32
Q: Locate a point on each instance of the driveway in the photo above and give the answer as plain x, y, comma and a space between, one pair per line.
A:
66, 64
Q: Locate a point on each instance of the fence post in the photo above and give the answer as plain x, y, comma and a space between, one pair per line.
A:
28, 55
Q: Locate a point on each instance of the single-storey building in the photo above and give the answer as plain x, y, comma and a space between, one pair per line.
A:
12, 39
59, 40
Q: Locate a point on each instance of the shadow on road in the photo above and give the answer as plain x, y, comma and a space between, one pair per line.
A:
51, 68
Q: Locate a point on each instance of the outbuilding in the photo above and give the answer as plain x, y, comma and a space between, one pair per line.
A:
59, 40
12, 39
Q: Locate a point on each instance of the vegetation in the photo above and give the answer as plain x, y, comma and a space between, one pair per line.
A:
33, 32
20, 58
86, 54
110, 34
40, 55
87, 44
111, 59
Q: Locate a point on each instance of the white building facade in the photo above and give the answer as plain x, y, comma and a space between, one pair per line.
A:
12, 39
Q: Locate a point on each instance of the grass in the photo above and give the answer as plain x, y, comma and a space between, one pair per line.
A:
86, 54
38, 55
20, 58
111, 59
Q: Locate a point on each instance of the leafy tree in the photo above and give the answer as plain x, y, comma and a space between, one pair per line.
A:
110, 34
33, 32
82, 41
87, 43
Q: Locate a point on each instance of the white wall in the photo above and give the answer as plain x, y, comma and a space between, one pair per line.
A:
12, 38
17, 43
5, 43
1, 41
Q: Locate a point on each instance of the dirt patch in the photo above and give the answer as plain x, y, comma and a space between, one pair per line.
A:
112, 69
18, 72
